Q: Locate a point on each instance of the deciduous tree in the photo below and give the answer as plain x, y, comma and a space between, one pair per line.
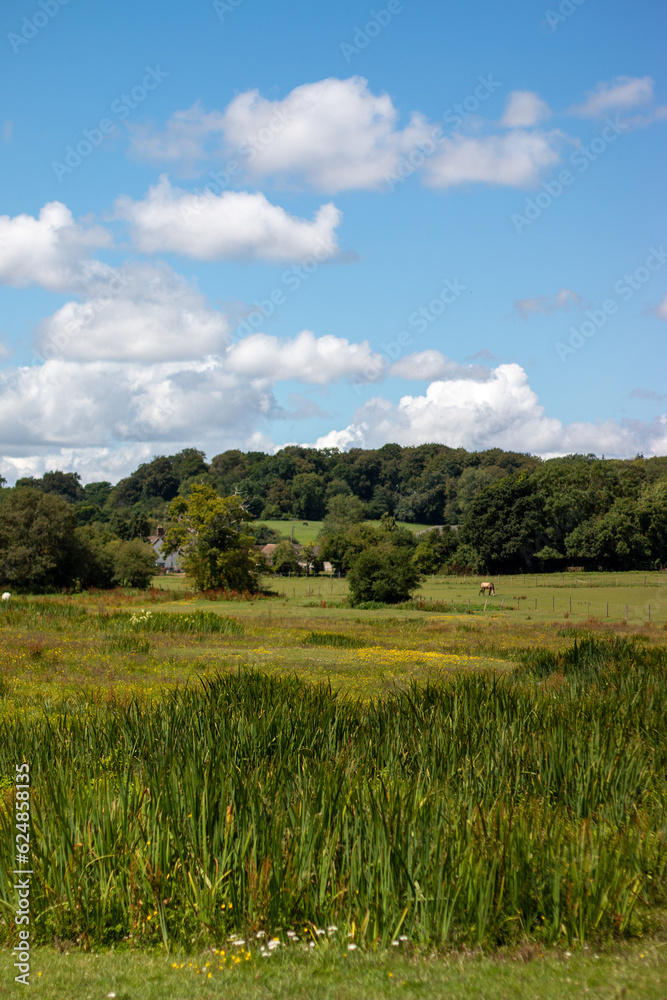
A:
209, 531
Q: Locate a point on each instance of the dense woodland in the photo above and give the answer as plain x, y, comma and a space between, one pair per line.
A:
511, 511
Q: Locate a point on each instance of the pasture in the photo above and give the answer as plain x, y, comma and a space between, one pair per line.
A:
463, 776
308, 531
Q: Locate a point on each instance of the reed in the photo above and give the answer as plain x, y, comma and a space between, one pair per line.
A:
476, 810
336, 639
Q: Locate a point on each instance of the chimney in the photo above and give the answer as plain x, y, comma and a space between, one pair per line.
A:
160, 531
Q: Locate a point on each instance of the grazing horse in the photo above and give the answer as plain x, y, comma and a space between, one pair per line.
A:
488, 588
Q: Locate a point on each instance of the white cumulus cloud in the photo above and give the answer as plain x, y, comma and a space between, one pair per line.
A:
51, 250
334, 135
514, 159
337, 135
231, 225
153, 315
82, 405
501, 412
306, 358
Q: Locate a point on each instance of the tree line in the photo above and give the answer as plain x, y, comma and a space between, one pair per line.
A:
490, 511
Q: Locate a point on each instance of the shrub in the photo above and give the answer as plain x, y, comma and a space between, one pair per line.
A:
387, 574
133, 563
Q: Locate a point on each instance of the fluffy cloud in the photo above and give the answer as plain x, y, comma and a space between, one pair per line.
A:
523, 109
613, 95
515, 159
100, 416
234, 224
315, 360
502, 412
65, 404
334, 135
103, 418
563, 299
430, 365
152, 315
50, 250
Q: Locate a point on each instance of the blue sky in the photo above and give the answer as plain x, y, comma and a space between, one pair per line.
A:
426, 225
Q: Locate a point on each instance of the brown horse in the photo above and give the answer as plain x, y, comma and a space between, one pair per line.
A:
487, 588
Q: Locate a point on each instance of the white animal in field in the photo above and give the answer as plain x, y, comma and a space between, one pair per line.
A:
487, 587
6, 596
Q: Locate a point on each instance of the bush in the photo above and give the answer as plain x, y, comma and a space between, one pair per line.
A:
387, 574
133, 563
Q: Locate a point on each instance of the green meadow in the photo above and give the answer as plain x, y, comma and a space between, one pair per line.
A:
308, 531
287, 796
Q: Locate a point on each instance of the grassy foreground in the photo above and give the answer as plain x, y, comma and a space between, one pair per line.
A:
493, 788
638, 972
478, 810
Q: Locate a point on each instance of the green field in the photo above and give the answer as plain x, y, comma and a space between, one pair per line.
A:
482, 780
308, 531
601, 595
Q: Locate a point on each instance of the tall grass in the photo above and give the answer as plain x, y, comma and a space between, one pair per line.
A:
477, 810
202, 622
336, 639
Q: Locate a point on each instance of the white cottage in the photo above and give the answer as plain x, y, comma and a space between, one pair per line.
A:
168, 564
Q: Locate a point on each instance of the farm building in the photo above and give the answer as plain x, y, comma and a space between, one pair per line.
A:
170, 563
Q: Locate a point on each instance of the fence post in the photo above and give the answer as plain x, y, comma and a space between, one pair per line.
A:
553, 603
607, 609
570, 605
649, 612
536, 604
626, 611
502, 603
